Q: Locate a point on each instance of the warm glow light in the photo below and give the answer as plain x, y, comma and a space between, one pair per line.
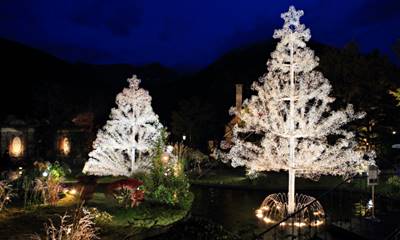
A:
65, 146
274, 208
177, 169
259, 214
317, 223
73, 191
267, 220
300, 224
394, 132
16, 148
165, 158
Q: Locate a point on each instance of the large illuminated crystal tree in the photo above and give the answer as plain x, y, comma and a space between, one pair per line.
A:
289, 125
125, 143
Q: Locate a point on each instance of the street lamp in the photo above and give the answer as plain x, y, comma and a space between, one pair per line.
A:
372, 181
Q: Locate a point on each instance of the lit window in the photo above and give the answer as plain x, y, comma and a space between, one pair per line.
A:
16, 147
65, 146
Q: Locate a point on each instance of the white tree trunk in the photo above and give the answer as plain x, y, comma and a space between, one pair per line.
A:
292, 141
291, 192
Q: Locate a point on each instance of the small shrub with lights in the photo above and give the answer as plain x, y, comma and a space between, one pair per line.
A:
166, 183
41, 184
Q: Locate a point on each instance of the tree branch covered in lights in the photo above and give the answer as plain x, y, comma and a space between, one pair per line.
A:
125, 143
289, 124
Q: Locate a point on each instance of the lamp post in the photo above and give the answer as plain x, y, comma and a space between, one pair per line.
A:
180, 147
373, 181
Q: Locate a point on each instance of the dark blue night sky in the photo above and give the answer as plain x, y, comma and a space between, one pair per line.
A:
186, 34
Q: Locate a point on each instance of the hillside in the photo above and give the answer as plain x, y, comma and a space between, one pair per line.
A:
38, 85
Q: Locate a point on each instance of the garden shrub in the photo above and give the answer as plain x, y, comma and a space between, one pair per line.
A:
49, 189
394, 182
101, 217
393, 187
42, 184
80, 226
126, 192
6, 193
165, 195
123, 197
165, 184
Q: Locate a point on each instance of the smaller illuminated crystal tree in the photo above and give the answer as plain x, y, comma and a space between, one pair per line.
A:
125, 143
289, 125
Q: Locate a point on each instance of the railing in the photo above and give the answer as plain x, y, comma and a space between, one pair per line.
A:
395, 235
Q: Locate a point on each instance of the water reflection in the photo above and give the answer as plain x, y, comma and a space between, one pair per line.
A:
234, 209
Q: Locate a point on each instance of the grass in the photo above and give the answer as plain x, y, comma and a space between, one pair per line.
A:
139, 222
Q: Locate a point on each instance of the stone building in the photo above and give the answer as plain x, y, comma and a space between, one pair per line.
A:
17, 139
22, 143
72, 145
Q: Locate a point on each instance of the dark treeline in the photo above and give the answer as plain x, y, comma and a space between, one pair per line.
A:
38, 86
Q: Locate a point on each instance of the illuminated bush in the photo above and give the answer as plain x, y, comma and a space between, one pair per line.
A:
163, 184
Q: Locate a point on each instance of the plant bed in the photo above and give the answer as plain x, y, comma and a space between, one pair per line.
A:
147, 219
18, 222
113, 221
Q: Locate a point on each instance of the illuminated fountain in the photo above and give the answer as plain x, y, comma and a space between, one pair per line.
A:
275, 208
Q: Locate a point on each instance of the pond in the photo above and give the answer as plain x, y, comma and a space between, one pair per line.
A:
235, 209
